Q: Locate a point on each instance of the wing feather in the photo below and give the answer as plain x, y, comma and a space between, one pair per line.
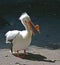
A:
10, 35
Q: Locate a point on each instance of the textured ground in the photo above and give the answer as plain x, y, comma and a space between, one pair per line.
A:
35, 56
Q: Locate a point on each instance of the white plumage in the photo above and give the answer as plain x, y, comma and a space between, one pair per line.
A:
10, 35
21, 39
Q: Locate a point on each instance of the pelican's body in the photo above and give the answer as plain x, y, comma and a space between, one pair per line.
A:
20, 40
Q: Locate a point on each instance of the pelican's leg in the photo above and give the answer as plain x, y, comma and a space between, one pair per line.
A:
13, 52
11, 47
24, 52
18, 55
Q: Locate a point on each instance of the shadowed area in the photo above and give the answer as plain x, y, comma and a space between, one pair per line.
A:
34, 57
3, 23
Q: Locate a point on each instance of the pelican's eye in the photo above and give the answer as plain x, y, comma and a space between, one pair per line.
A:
25, 21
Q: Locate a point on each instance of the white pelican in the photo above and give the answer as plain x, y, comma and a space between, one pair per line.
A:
20, 40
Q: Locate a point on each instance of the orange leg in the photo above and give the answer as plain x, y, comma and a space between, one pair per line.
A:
24, 54
18, 53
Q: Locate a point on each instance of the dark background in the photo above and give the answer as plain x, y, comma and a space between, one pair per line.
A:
46, 13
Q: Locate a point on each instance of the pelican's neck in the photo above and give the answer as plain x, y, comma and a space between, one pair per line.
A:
27, 28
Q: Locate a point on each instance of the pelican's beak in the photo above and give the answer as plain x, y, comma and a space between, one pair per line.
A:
37, 28
30, 25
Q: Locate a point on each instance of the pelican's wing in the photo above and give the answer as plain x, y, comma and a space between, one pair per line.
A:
10, 35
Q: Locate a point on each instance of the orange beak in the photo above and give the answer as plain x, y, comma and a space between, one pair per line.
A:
30, 24
37, 28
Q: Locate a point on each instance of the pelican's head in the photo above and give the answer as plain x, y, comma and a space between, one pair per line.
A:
26, 21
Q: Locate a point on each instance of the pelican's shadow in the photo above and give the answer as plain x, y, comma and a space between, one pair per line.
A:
35, 57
